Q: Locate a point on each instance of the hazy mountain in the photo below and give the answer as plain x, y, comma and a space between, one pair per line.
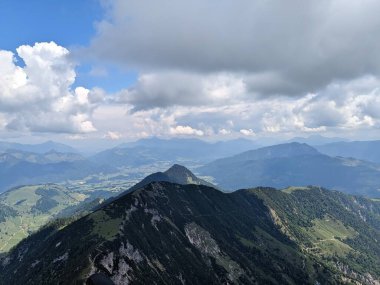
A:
289, 164
366, 150
37, 148
21, 168
13, 156
316, 140
168, 233
147, 151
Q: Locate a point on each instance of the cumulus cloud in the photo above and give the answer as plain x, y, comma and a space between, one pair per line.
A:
247, 132
185, 130
166, 89
113, 135
291, 47
340, 108
207, 68
38, 96
224, 132
241, 68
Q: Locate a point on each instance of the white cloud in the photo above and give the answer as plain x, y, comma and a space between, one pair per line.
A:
247, 132
341, 108
38, 96
185, 130
113, 135
224, 132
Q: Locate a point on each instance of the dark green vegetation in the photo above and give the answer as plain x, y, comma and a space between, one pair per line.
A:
167, 233
25, 209
289, 164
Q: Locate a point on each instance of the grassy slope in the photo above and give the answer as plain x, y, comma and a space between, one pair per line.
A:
34, 206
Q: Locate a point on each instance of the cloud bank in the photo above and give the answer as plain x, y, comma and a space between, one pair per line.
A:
244, 68
291, 47
219, 69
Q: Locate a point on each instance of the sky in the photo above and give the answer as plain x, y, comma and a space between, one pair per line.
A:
103, 71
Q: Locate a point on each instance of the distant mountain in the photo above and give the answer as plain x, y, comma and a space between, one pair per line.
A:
148, 151
13, 156
175, 174
21, 168
168, 233
316, 140
37, 148
365, 150
269, 152
290, 164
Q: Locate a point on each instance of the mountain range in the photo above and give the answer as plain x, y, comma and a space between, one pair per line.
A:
168, 233
292, 164
37, 148
148, 151
365, 150
23, 168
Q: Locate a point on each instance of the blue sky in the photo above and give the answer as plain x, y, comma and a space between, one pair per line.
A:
217, 69
69, 23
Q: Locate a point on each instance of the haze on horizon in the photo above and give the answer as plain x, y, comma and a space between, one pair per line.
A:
111, 71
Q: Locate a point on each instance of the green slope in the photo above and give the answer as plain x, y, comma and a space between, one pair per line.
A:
167, 233
31, 207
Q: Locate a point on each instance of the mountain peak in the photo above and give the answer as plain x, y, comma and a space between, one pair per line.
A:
175, 174
282, 150
179, 172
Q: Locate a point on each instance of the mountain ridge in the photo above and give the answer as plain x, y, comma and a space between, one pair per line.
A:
284, 165
197, 234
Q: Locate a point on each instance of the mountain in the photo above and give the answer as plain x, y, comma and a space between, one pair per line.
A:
175, 174
316, 140
37, 148
290, 164
167, 233
270, 152
25, 209
22, 168
13, 156
365, 150
148, 151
